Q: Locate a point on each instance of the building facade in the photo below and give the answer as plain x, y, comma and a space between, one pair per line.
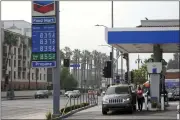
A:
17, 55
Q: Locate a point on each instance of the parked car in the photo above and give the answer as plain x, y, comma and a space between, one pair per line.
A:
73, 94
119, 97
77, 92
67, 93
41, 94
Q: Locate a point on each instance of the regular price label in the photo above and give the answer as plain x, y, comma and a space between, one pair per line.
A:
43, 56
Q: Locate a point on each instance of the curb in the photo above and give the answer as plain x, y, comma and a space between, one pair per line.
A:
75, 111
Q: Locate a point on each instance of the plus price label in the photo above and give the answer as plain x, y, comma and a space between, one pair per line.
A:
43, 38
43, 56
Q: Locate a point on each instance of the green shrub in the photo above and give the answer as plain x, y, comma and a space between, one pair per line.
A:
73, 107
48, 116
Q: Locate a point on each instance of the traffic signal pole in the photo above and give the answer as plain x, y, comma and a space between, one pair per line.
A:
112, 61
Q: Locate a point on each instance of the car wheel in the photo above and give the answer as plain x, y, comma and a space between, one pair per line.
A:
104, 112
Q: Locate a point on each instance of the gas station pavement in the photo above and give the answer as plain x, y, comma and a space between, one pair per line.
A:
95, 113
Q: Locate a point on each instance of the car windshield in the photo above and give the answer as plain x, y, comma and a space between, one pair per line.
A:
117, 90
40, 92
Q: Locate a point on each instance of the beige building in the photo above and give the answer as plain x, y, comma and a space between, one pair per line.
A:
19, 71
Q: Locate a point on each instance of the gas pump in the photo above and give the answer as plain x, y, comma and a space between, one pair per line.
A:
154, 70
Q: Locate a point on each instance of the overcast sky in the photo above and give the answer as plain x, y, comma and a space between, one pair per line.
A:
78, 20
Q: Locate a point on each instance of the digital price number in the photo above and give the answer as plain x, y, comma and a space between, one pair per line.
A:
43, 56
47, 42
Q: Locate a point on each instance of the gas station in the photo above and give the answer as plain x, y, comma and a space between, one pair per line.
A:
152, 36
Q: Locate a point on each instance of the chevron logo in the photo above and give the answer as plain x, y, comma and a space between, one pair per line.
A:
44, 6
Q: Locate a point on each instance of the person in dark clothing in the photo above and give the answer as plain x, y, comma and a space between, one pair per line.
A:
140, 98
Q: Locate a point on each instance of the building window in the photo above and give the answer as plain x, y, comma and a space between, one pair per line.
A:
44, 76
19, 51
40, 76
19, 63
14, 75
24, 63
19, 75
24, 75
32, 76
5, 49
14, 63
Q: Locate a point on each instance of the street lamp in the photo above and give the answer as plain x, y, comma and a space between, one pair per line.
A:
138, 61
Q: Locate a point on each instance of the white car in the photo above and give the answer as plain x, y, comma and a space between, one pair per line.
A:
67, 93
73, 94
77, 92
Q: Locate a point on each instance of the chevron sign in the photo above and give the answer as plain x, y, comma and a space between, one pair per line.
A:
43, 8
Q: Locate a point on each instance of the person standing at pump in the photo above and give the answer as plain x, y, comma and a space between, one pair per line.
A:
140, 98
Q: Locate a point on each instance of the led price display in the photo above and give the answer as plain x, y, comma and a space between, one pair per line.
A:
44, 38
43, 56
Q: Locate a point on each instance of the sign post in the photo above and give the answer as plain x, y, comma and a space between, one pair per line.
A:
45, 43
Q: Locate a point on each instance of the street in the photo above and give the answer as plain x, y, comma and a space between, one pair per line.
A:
18, 109
95, 113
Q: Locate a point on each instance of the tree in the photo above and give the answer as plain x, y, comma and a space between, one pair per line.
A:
174, 63
10, 39
141, 74
67, 80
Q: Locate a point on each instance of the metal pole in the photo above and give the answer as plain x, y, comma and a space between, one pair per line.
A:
112, 61
56, 71
122, 66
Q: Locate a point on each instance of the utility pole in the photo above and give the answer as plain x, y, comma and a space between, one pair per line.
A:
112, 25
138, 61
56, 71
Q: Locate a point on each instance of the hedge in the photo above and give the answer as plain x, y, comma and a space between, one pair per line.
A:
68, 109
73, 107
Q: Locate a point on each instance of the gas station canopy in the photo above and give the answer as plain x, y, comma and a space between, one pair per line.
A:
141, 39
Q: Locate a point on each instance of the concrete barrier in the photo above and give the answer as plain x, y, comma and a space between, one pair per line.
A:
20, 93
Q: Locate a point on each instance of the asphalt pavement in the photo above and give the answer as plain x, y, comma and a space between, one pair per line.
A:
95, 113
18, 109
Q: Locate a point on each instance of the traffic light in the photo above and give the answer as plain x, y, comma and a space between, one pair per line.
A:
109, 69
105, 72
66, 62
126, 76
132, 76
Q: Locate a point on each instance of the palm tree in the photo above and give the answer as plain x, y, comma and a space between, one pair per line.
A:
10, 40
68, 52
95, 62
76, 60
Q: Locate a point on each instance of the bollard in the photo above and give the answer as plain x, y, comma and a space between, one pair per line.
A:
146, 102
178, 113
74, 104
70, 103
162, 101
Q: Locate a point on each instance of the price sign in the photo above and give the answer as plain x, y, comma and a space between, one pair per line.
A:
43, 42
43, 38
